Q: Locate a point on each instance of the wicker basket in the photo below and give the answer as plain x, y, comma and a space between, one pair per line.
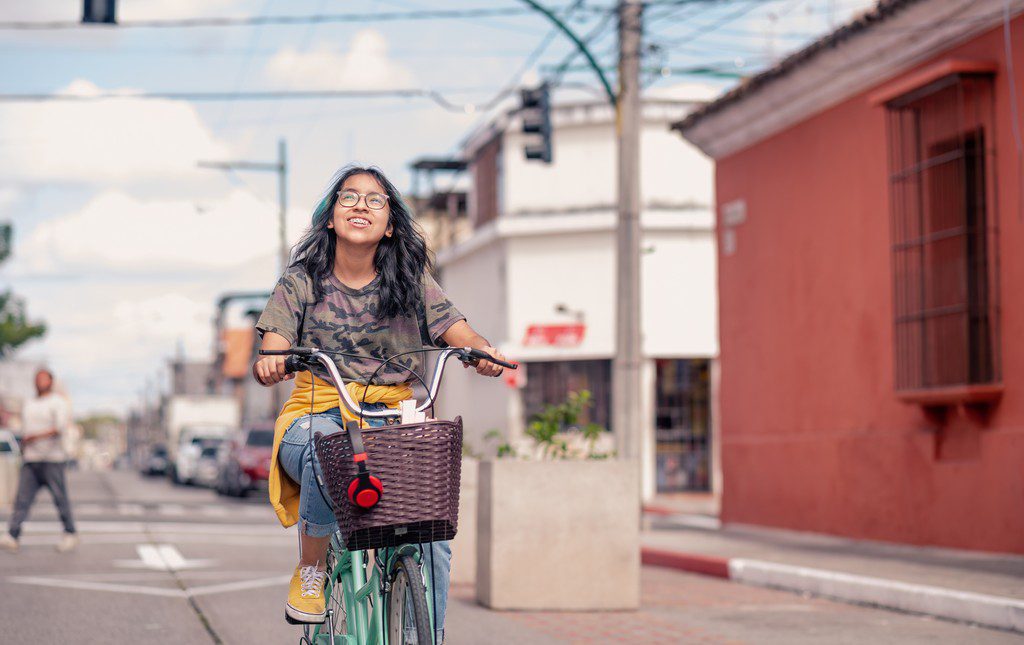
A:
420, 467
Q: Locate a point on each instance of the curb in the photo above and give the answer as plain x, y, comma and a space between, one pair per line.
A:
707, 565
998, 612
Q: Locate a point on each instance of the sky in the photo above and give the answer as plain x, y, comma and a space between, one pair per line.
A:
122, 244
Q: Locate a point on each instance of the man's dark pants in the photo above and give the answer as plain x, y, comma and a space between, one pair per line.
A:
36, 475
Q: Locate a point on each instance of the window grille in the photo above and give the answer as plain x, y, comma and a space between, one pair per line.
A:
944, 234
549, 383
682, 429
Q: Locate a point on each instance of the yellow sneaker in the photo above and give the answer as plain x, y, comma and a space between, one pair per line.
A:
306, 602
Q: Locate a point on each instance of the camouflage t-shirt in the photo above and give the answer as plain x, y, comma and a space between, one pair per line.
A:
346, 320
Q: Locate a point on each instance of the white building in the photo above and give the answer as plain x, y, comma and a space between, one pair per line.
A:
540, 261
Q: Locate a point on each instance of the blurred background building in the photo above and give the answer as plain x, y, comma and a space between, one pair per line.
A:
536, 275
870, 203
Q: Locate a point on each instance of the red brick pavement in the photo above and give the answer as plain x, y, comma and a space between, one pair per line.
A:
663, 594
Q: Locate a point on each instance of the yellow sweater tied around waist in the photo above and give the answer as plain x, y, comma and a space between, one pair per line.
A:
309, 389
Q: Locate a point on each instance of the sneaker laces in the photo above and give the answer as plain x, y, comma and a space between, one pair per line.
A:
312, 581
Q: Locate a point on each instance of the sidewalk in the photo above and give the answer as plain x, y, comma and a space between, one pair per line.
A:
981, 588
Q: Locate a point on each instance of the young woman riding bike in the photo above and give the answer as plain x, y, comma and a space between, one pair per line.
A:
360, 282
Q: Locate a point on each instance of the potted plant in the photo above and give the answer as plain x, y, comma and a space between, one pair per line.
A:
558, 518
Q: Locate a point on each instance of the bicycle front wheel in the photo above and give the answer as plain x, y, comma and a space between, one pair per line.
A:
406, 604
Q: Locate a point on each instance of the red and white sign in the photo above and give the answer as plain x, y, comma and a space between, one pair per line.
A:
564, 335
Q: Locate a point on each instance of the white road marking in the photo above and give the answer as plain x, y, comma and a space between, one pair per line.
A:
162, 557
205, 590
98, 586
171, 509
270, 527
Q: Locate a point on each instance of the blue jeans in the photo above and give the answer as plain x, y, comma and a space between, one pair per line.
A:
296, 457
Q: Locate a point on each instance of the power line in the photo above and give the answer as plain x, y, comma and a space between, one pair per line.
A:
253, 42
249, 21
511, 85
593, 34
724, 20
719, 70
270, 95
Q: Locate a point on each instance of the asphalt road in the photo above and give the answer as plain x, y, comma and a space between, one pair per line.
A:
229, 563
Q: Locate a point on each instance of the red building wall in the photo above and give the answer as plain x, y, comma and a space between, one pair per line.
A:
813, 435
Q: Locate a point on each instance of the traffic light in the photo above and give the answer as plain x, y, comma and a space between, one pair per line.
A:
536, 114
99, 11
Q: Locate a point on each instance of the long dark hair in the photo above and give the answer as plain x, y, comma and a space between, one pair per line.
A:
400, 260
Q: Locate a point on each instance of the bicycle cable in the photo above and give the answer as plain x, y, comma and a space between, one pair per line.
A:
422, 350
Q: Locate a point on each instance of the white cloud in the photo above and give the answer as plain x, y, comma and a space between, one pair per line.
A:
117, 232
117, 140
7, 198
365, 65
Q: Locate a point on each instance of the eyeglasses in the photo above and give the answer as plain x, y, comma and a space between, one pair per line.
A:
349, 198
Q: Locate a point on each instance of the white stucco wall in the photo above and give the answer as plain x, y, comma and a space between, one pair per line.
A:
574, 269
583, 174
475, 283
554, 243
680, 294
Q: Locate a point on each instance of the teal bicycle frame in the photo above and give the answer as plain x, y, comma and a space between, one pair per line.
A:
362, 598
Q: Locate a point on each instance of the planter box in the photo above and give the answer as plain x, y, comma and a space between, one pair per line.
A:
558, 535
464, 544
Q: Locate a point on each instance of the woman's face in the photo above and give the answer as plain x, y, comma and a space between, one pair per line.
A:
360, 224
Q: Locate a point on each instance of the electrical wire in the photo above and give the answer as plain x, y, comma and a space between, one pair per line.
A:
513, 83
249, 21
250, 50
724, 20
593, 35
268, 95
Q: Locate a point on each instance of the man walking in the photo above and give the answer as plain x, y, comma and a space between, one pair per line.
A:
45, 419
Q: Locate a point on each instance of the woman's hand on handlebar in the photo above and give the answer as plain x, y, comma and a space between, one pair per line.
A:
270, 370
487, 368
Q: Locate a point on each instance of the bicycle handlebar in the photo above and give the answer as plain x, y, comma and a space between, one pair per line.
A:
300, 357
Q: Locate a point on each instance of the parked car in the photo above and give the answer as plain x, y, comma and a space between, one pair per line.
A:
245, 461
10, 464
9, 444
155, 462
184, 468
208, 469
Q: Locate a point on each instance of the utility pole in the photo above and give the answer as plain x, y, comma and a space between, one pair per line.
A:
281, 168
626, 390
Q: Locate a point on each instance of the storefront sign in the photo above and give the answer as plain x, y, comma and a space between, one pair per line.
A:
564, 335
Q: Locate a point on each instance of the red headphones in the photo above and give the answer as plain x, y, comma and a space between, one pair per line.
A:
364, 490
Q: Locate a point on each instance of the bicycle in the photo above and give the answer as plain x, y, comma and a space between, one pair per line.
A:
370, 601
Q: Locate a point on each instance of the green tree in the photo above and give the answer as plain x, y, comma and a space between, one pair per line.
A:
15, 328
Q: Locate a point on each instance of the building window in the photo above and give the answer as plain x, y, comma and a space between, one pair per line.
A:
944, 229
682, 428
550, 384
